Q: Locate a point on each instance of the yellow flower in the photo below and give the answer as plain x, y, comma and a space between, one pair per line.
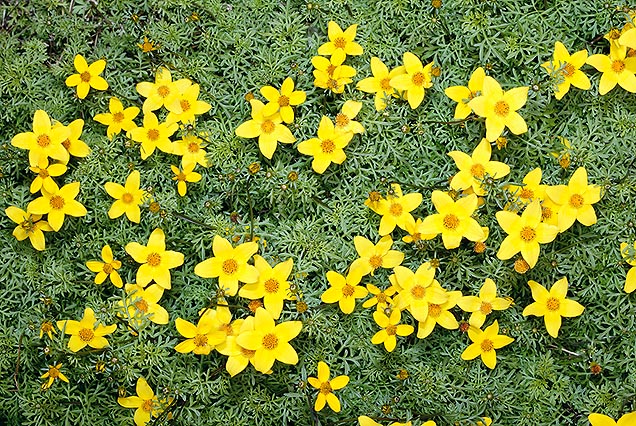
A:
340, 42
552, 305
190, 148
155, 260
416, 79
380, 83
438, 313
29, 225
575, 200
238, 357
148, 45
163, 91
186, 175
343, 290
531, 189
200, 339
47, 327
474, 168
482, 305
331, 74
282, 101
416, 231
484, 344
146, 403
86, 332
525, 233
118, 118
500, 108
596, 419
272, 285
44, 172
375, 256
52, 374
186, 106
153, 135
107, 268
381, 298
564, 69
128, 198
344, 119
72, 143
143, 303
57, 204
87, 76
396, 209
229, 264
617, 68
327, 147
270, 341
629, 254
326, 386
44, 141
268, 129
390, 328
462, 94
453, 219
550, 212
417, 290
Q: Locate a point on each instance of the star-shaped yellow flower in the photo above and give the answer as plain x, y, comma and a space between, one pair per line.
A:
391, 327
86, 332
29, 226
474, 168
155, 260
45, 173
44, 141
146, 403
530, 190
375, 256
331, 74
143, 303
268, 129
340, 42
564, 69
617, 68
482, 305
272, 285
190, 148
380, 83
186, 106
462, 94
153, 135
200, 338
484, 344
343, 290
128, 198
163, 91
575, 200
87, 76
344, 119
283, 101
106, 269
396, 209
439, 313
57, 204
417, 78
54, 372
417, 290
187, 174
328, 147
118, 118
327, 386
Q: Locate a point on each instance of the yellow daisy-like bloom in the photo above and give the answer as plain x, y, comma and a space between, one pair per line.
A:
190, 148
72, 143
45, 172
222, 321
54, 372
154, 135
531, 189
86, 332
118, 118
330, 74
186, 175
327, 148
474, 168
381, 298
415, 81
453, 219
617, 68
128, 198
552, 305
343, 290
87, 76
106, 269
201, 339
57, 204
462, 94
148, 45
438, 313
268, 129
163, 91
416, 232
47, 328
500, 108
344, 119
375, 256
482, 305
187, 106
396, 209
143, 303
629, 255
239, 357
380, 83
282, 101
390, 328
229, 264
417, 290
155, 260
146, 403
596, 419
484, 344
368, 421
29, 225
44, 141
525, 233
340, 42
270, 341
575, 200
564, 69
272, 285
327, 386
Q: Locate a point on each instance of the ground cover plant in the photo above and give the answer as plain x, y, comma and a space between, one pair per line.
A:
317, 213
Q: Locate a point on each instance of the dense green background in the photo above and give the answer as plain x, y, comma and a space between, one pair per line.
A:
237, 47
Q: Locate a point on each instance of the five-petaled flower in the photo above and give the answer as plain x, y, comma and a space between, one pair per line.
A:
328, 147
146, 403
390, 328
340, 42
283, 101
272, 285
128, 198
268, 129
482, 305
44, 141
343, 290
155, 260
163, 91
484, 344
200, 338
575, 200
474, 168
187, 174
416, 79
106, 269
564, 68
54, 372
374, 256
86, 332
326, 387
464, 94
57, 204
118, 118
87, 76
380, 83
617, 68
29, 225
153, 135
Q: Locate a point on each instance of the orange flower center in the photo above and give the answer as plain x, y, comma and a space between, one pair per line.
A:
477, 170
325, 388
181, 177
380, 297
527, 234
271, 285
450, 221
43, 141
283, 101
330, 69
142, 306
270, 341
502, 108
546, 212
54, 373
127, 198
108, 268
226, 328
418, 292
43, 173
147, 405
348, 290
568, 70
485, 308
342, 120
57, 202
185, 105
193, 147
85, 76
553, 304
46, 327
153, 134
327, 146
526, 193
268, 126
418, 78
385, 84
618, 66
86, 334
247, 353
487, 345
416, 236
229, 266
153, 259
396, 209
521, 266
340, 42
576, 201
375, 261
434, 310
391, 330
66, 144
254, 305
118, 117
200, 340
163, 91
